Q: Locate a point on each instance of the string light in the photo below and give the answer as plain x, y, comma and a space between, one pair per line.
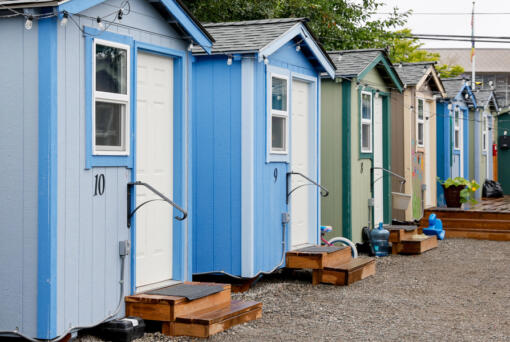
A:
65, 18
28, 23
266, 61
229, 60
100, 24
298, 48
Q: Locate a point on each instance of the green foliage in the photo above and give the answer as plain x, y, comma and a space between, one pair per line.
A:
467, 194
405, 49
339, 24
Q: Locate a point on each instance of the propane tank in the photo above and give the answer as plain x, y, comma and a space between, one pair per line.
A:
380, 237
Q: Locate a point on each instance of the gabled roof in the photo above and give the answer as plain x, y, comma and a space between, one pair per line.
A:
415, 74
487, 98
174, 11
356, 63
264, 37
458, 85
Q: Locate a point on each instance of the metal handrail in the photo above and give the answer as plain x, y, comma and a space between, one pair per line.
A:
162, 198
324, 192
391, 173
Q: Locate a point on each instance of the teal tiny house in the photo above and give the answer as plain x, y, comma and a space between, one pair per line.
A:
256, 119
356, 141
94, 96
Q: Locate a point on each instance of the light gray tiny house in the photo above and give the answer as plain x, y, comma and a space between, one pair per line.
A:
87, 106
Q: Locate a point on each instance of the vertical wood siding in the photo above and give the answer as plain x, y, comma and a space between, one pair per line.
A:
18, 183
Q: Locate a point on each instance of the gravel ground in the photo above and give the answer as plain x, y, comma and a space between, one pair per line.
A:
457, 292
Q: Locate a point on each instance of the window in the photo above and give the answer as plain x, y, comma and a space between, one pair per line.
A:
419, 123
456, 128
110, 108
279, 114
485, 130
366, 122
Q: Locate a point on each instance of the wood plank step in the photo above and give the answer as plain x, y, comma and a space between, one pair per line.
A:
468, 214
417, 244
318, 259
347, 273
466, 233
167, 308
475, 223
397, 235
209, 322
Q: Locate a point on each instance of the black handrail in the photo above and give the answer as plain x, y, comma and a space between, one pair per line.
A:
163, 198
324, 192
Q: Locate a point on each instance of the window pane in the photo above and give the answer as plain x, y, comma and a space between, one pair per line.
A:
109, 118
420, 109
278, 133
279, 94
365, 137
457, 118
456, 139
366, 106
111, 69
420, 134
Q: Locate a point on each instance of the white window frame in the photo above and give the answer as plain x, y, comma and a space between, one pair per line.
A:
123, 99
420, 122
278, 113
457, 128
485, 132
368, 122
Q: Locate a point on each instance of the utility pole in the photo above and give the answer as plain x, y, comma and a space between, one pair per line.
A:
473, 57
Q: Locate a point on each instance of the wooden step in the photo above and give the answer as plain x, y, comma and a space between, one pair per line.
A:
345, 273
209, 322
319, 259
476, 224
416, 244
167, 308
398, 234
473, 233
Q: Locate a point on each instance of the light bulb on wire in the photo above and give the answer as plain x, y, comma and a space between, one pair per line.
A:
65, 18
100, 24
229, 60
28, 23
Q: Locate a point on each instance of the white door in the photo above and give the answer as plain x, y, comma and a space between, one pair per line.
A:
301, 153
378, 162
154, 165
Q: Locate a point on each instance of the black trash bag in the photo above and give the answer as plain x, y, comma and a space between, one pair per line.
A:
492, 189
366, 246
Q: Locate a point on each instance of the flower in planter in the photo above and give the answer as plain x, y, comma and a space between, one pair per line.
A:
466, 194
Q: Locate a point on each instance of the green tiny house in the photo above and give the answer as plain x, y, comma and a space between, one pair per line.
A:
355, 136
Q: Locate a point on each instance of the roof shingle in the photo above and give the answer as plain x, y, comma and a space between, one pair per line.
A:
353, 62
412, 73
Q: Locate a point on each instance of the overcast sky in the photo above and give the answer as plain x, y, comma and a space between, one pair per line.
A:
485, 24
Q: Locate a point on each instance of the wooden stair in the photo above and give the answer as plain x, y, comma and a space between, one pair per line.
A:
200, 317
472, 224
331, 265
408, 240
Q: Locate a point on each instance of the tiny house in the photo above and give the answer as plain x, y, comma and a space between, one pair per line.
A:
256, 124
485, 117
356, 141
503, 149
94, 96
413, 138
453, 134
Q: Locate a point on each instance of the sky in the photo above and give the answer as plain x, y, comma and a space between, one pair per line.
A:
459, 23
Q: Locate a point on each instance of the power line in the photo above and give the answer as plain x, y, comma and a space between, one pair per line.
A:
442, 13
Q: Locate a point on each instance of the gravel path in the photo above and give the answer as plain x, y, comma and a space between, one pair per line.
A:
457, 292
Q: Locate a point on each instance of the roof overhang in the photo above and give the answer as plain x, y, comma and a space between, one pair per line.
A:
471, 99
383, 64
432, 78
173, 8
300, 30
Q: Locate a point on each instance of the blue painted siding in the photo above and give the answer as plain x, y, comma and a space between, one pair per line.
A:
443, 154
288, 58
89, 227
19, 181
217, 165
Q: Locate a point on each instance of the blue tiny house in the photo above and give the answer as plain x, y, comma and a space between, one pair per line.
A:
454, 138
94, 96
255, 119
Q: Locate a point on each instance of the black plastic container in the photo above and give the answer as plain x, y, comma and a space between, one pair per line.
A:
120, 330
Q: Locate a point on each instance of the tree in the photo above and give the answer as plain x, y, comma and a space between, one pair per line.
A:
406, 49
338, 24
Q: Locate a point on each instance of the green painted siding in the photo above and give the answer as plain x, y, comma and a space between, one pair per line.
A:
504, 155
374, 80
331, 155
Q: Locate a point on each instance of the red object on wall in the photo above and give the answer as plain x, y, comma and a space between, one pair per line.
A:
494, 150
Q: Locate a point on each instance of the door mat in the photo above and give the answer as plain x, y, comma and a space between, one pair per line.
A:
320, 249
191, 292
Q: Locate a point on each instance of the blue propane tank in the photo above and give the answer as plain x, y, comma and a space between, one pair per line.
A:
380, 237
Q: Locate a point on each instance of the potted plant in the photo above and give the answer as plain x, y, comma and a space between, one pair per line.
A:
459, 190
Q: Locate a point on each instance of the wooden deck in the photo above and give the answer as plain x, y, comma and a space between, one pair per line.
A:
487, 220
